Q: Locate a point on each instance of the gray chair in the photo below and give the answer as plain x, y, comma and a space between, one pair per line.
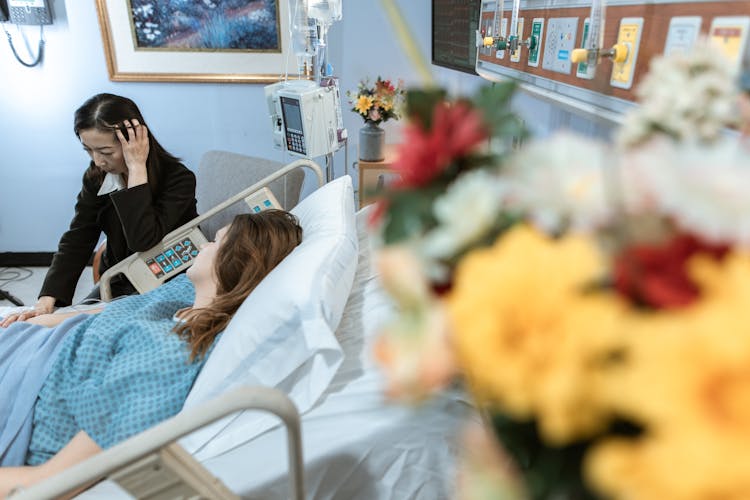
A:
222, 174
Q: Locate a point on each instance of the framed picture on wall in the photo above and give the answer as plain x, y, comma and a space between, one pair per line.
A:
203, 41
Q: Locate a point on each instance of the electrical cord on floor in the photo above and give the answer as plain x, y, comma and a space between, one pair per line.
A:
11, 275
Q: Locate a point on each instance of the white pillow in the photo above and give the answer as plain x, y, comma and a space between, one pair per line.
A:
283, 334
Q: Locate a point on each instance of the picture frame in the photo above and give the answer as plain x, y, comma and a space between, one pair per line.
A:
128, 60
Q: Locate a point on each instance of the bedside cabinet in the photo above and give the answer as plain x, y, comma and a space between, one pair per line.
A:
370, 173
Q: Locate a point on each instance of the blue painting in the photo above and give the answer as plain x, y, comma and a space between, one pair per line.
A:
217, 25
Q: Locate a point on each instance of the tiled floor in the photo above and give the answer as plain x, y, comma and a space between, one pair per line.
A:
26, 282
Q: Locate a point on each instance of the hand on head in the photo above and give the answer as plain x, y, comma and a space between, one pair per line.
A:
135, 145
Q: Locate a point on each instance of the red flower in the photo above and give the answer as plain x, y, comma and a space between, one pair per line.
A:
656, 275
456, 131
377, 213
385, 85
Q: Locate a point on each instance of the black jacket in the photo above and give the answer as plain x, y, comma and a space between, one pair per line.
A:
133, 220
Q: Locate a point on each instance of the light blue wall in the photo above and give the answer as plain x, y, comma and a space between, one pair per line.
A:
41, 161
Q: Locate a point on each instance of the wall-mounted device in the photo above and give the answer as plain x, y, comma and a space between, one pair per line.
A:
304, 117
515, 39
34, 12
682, 35
537, 32
28, 12
629, 36
729, 35
607, 62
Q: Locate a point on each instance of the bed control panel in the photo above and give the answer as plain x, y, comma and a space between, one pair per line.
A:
147, 270
262, 199
173, 258
166, 260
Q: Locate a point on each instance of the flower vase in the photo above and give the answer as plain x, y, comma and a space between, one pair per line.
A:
371, 142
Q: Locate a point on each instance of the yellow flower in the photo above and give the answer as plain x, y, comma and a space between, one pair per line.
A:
687, 382
364, 103
528, 337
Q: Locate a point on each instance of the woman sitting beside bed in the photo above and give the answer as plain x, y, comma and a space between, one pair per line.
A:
127, 369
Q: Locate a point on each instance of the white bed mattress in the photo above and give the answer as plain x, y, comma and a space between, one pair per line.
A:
355, 444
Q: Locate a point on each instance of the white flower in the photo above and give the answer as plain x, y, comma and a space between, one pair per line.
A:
468, 209
560, 183
689, 97
703, 188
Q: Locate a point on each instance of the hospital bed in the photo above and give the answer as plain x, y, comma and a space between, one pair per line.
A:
354, 443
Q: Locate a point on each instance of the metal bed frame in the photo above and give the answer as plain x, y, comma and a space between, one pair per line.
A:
150, 441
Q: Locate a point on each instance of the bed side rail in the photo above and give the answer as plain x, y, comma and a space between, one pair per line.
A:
142, 268
149, 441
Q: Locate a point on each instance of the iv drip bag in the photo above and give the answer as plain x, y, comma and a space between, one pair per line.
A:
325, 12
304, 33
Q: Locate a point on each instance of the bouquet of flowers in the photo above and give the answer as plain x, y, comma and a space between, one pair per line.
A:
377, 103
593, 298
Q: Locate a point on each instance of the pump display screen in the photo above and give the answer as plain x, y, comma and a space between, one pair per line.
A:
292, 115
295, 138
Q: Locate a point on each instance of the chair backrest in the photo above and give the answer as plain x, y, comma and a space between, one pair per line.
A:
222, 174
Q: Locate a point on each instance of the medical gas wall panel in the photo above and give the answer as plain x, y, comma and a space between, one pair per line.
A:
547, 60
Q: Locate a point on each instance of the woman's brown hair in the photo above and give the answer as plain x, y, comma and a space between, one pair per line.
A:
251, 248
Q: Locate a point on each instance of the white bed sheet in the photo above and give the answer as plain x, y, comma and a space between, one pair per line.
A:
355, 444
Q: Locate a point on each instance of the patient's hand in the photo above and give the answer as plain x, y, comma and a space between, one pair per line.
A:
44, 305
51, 320
48, 319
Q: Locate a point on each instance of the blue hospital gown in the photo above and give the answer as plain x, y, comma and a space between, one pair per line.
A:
125, 373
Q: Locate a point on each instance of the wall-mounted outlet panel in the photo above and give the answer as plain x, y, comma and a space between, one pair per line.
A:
500, 54
629, 34
560, 42
537, 31
515, 56
729, 35
682, 34
649, 28
585, 70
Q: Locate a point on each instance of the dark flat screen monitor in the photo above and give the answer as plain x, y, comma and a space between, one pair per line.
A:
454, 25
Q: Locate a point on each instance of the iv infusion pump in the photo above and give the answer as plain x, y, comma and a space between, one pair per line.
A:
305, 117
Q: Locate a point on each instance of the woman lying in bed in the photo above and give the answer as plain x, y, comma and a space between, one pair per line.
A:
130, 367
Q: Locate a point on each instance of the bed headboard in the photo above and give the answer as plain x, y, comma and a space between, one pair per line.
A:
222, 174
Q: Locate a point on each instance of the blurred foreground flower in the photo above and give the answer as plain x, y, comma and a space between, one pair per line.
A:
414, 348
485, 472
688, 384
687, 97
702, 189
559, 186
553, 338
596, 298
430, 145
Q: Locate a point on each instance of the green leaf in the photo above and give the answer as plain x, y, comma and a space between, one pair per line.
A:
494, 101
409, 213
421, 103
548, 471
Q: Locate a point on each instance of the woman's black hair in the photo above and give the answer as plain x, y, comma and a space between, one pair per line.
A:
106, 113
